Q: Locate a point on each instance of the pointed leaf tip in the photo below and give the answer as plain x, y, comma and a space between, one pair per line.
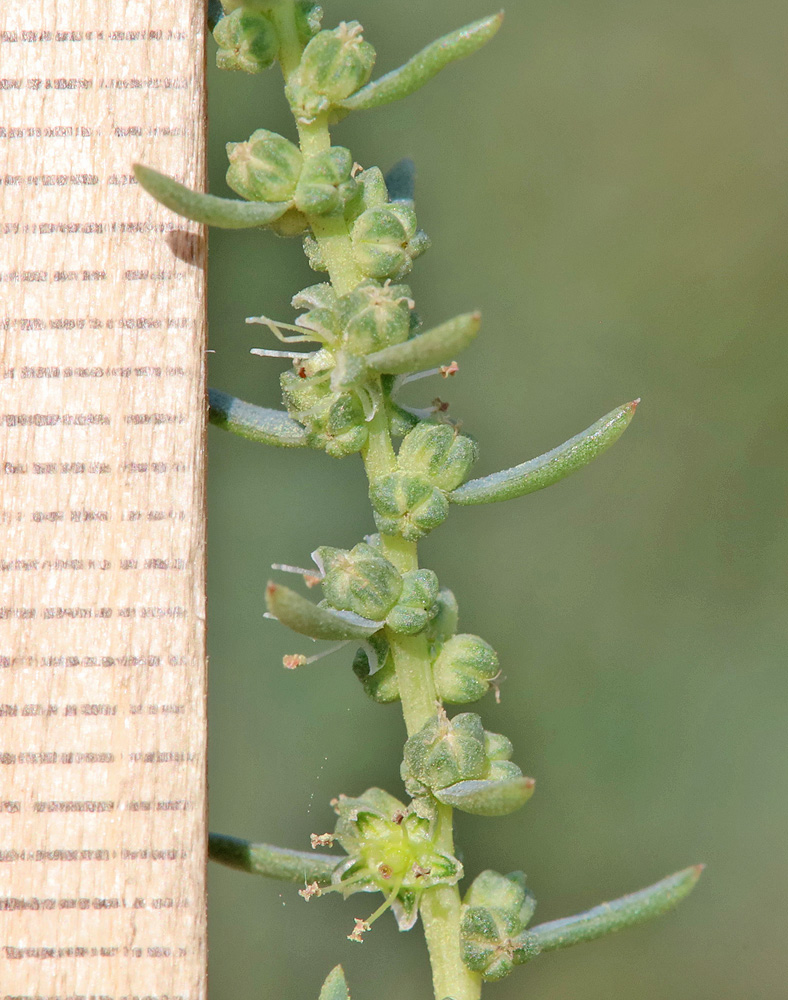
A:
618, 914
335, 986
425, 65
552, 466
207, 209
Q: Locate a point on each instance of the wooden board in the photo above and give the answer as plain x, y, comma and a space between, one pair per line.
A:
102, 582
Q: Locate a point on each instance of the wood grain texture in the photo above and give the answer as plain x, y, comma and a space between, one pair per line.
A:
102, 581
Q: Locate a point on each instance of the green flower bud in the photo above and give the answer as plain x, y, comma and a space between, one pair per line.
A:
308, 18
326, 185
446, 751
386, 241
507, 893
486, 947
264, 168
417, 602
247, 41
361, 580
308, 386
407, 505
374, 316
320, 301
439, 453
334, 65
371, 192
496, 911
503, 770
444, 624
498, 747
464, 669
346, 430
292, 223
382, 686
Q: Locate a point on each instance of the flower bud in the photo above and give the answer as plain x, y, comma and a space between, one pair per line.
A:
506, 893
371, 192
320, 301
346, 431
386, 241
444, 624
382, 686
309, 386
264, 168
334, 65
326, 185
308, 18
464, 669
496, 911
407, 505
417, 602
361, 580
446, 751
498, 747
439, 453
247, 41
374, 316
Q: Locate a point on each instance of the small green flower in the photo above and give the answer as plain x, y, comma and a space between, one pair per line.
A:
391, 849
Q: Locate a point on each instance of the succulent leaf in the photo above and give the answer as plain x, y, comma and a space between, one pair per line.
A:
254, 422
306, 618
552, 466
225, 213
435, 347
618, 914
335, 986
424, 65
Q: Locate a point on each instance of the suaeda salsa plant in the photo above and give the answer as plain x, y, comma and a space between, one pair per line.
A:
356, 342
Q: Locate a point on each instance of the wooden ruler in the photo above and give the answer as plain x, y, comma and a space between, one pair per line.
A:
102, 606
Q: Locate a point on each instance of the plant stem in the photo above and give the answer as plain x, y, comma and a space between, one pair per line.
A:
440, 907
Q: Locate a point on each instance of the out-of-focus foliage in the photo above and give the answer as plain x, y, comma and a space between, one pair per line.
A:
628, 238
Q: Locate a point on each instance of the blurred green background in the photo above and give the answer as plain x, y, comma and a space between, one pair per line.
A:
607, 182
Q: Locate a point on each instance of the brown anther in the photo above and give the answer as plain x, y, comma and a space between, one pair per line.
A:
496, 687
420, 872
398, 817
358, 931
311, 580
452, 369
293, 661
385, 871
334, 803
313, 889
321, 840
302, 372
439, 406
357, 169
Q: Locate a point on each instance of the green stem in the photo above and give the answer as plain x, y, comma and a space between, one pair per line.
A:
440, 908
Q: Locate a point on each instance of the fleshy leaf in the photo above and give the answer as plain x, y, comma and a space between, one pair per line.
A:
620, 913
487, 798
226, 213
401, 181
552, 466
306, 618
273, 862
335, 986
424, 65
254, 422
435, 347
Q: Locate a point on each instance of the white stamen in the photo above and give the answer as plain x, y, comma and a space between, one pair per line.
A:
261, 353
